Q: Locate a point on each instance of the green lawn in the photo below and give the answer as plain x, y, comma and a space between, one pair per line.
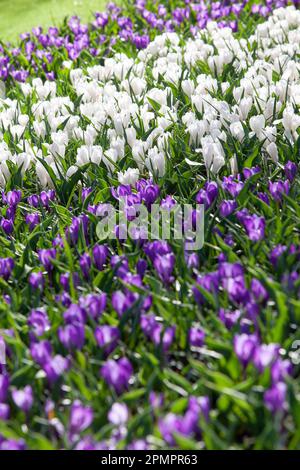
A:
17, 16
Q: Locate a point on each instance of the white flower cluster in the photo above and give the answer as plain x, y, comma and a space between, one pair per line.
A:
214, 89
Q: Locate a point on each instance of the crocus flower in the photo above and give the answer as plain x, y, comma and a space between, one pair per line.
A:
72, 335
4, 411
36, 280
81, 417
281, 369
208, 194
227, 207
275, 397
32, 220
196, 336
168, 425
4, 384
279, 188
276, 253
265, 355
46, 256
117, 373
100, 253
7, 226
118, 414
12, 444
12, 198
244, 347
107, 337
229, 318
164, 265
168, 203
23, 398
55, 367
41, 352
33, 200
94, 304
290, 170
258, 291
39, 321
6, 267
233, 187
122, 302
85, 263
253, 224
75, 314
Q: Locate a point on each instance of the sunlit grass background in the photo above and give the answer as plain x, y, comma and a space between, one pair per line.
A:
18, 16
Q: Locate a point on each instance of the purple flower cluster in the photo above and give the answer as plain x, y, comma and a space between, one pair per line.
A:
37, 51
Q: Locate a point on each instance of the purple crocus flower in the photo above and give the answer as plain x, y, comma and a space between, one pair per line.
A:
12, 444
7, 226
93, 304
275, 397
4, 411
122, 302
265, 355
276, 253
107, 337
279, 188
168, 425
248, 172
4, 384
32, 220
164, 265
168, 203
85, 263
209, 282
36, 280
46, 197
100, 254
75, 314
231, 186
141, 267
117, 373
41, 352
208, 194
227, 207
46, 256
290, 170
6, 267
244, 347
229, 318
196, 337
12, 198
72, 335
281, 369
258, 291
253, 224
55, 367
81, 417
264, 197
23, 398
163, 337
39, 321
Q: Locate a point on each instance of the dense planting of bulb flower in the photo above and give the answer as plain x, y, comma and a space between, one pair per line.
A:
173, 87
131, 26
143, 344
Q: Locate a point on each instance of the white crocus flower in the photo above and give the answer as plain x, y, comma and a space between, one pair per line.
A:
129, 176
